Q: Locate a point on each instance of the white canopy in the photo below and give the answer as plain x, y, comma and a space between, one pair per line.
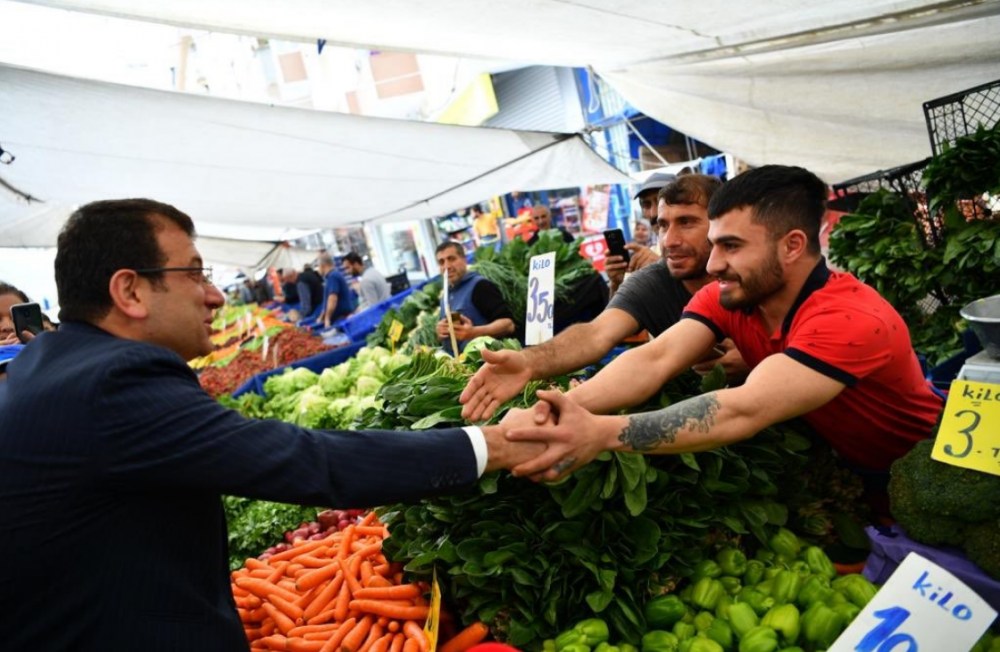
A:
232, 164
834, 86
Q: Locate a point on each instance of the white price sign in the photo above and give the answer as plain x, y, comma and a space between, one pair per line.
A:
263, 356
541, 299
922, 608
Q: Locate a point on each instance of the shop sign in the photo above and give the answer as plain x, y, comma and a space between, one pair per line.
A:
541, 299
969, 435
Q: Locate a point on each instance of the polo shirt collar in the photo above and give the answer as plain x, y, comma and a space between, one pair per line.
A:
816, 280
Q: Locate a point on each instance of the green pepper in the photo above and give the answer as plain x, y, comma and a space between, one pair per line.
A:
593, 630
722, 608
606, 647
764, 555
732, 585
848, 610
819, 563
684, 631
703, 621
732, 562
786, 588
705, 568
772, 571
802, 568
567, 638
755, 572
706, 593
791, 649
549, 645
785, 543
759, 639
784, 619
742, 618
821, 625
705, 645
856, 588
685, 593
759, 602
722, 633
663, 611
576, 647
625, 647
815, 587
685, 645
659, 641
765, 587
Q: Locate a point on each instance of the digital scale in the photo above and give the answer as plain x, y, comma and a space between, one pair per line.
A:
980, 368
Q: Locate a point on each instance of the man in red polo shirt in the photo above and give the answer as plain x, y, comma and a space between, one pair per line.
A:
820, 344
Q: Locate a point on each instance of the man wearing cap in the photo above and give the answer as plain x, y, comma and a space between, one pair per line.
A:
641, 255
542, 218
652, 299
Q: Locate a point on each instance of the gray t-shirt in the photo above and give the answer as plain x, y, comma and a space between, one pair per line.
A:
373, 287
652, 297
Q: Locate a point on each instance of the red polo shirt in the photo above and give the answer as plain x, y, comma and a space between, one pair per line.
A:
844, 329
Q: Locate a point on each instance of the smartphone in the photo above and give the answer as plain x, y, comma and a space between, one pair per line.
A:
27, 317
616, 244
456, 316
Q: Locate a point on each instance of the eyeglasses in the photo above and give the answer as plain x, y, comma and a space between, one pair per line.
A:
197, 274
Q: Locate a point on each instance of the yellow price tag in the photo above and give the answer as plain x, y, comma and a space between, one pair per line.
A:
970, 429
434, 616
395, 330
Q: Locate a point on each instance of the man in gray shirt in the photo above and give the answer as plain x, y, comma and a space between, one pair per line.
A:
373, 287
651, 299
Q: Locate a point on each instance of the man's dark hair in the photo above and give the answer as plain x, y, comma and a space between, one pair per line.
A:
783, 198
450, 244
353, 258
7, 288
690, 189
475, 209
103, 237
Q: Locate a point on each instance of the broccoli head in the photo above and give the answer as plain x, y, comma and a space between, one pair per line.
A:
920, 484
982, 546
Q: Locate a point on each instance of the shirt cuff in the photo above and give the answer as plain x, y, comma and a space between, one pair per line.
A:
478, 447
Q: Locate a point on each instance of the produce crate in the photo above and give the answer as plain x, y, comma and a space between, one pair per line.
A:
316, 363
959, 114
904, 181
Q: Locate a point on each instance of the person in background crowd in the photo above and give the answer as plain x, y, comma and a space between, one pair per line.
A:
104, 424
652, 299
337, 299
485, 225
640, 253
642, 234
9, 296
821, 345
308, 286
477, 306
246, 291
47, 323
542, 218
372, 286
288, 290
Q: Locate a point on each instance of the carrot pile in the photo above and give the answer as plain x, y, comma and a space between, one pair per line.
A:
337, 594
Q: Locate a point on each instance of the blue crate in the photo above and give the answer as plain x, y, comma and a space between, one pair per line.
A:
316, 363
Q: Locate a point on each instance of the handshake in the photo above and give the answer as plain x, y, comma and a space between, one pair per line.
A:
550, 440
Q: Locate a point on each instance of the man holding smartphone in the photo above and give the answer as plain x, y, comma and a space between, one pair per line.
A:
477, 307
652, 299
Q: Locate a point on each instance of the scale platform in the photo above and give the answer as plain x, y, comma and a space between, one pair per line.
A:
981, 368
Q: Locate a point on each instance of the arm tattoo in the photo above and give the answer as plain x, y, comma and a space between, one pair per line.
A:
645, 432
562, 465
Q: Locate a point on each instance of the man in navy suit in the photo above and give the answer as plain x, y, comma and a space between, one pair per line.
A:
113, 459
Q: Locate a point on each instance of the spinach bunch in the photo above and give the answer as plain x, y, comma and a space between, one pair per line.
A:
255, 525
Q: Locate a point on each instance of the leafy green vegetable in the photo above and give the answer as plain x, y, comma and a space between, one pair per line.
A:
254, 525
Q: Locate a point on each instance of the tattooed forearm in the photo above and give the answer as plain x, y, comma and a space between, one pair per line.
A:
645, 432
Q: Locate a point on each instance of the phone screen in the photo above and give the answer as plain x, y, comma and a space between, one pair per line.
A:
27, 317
616, 243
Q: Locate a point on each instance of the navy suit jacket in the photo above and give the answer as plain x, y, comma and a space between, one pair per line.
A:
112, 462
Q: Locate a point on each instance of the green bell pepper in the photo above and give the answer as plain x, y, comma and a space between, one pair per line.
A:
791, 649
705, 645
606, 647
706, 593
705, 568
772, 571
722, 608
593, 630
685, 593
683, 631
549, 645
722, 633
785, 543
576, 647
819, 563
755, 572
732, 585
732, 562
759, 602
759, 639
567, 638
765, 587
786, 587
856, 588
802, 568
821, 625
814, 588
659, 641
764, 555
742, 618
848, 610
703, 621
663, 611
625, 647
784, 619
685, 645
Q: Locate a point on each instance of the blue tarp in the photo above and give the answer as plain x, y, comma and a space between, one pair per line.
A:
316, 363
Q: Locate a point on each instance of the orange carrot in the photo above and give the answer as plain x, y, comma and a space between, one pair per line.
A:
466, 638
368, 519
312, 562
350, 575
267, 627
345, 542
275, 642
411, 645
302, 630
324, 597
343, 603
371, 531
369, 549
302, 645
277, 571
290, 609
292, 553
382, 608
352, 642
415, 632
373, 635
383, 569
262, 588
320, 636
394, 626
397, 578
306, 598
398, 638
401, 592
253, 563
322, 617
284, 623
316, 577
342, 632
261, 573
366, 572
382, 645
377, 581
383, 622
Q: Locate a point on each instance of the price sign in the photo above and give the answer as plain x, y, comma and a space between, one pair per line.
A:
267, 341
260, 323
922, 608
395, 332
447, 316
970, 429
541, 299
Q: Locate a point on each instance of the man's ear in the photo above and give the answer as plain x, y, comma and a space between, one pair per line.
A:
128, 294
795, 246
